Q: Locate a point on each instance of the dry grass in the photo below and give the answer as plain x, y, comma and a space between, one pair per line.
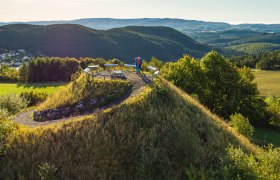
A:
154, 135
84, 89
268, 82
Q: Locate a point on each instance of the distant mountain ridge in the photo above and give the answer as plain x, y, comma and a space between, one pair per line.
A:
186, 26
79, 41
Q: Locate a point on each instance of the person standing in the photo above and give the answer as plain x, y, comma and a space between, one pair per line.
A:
138, 63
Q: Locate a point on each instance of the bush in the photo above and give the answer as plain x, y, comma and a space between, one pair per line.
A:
8, 74
6, 128
47, 171
265, 164
34, 97
242, 125
273, 109
4, 114
13, 103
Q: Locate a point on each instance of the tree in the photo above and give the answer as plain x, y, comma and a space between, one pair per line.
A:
156, 62
274, 110
242, 125
220, 85
185, 73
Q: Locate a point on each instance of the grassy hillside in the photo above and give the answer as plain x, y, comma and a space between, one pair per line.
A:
79, 41
158, 134
49, 88
244, 41
268, 82
84, 89
255, 48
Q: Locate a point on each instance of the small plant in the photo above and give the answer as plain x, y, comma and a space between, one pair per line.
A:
6, 128
47, 171
34, 97
242, 125
4, 114
13, 103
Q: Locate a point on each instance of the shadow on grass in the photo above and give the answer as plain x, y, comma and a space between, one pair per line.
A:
41, 85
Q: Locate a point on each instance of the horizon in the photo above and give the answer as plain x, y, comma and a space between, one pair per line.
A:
237, 12
53, 20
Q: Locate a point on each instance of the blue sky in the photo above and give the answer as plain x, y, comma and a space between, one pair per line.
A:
232, 11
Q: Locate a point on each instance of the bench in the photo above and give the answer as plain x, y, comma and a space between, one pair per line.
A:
117, 74
130, 66
91, 69
155, 71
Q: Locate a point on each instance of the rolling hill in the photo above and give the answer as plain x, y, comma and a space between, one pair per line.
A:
79, 41
246, 41
186, 26
161, 133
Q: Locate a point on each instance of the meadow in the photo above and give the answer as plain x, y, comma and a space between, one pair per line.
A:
17, 88
265, 136
268, 82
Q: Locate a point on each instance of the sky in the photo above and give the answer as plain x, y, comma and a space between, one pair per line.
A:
231, 11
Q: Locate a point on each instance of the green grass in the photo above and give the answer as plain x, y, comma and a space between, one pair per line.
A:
254, 48
154, 135
49, 88
268, 82
265, 136
84, 89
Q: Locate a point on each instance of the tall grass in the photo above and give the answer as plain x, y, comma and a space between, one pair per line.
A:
155, 135
83, 89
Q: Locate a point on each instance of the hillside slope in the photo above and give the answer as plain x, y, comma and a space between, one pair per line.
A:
155, 135
79, 41
246, 41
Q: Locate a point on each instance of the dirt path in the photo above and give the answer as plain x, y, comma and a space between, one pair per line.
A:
139, 83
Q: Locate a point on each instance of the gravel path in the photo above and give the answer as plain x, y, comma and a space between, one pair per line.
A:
139, 82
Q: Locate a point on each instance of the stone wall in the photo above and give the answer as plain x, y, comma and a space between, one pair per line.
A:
80, 108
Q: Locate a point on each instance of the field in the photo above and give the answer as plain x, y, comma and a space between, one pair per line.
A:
268, 82
49, 88
265, 136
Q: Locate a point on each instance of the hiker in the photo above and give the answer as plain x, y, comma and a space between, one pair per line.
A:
138, 63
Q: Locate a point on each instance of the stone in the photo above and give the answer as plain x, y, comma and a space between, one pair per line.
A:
93, 101
78, 106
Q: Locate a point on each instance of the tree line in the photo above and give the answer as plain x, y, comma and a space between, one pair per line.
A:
263, 61
220, 85
45, 69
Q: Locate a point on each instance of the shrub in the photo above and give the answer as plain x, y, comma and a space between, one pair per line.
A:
47, 171
242, 125
274, 110
13, 103
6, 128
4, 114
8, 74
265, 164
34, 97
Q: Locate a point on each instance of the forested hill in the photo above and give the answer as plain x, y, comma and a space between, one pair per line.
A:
79, 41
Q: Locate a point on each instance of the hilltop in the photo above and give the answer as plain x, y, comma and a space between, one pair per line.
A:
79, 41
160, 133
